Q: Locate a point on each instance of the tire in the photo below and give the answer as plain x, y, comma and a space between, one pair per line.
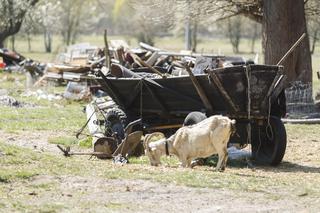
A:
269, 143
116, 119
194, 118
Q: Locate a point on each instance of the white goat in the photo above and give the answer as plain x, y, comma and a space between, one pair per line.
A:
201, 140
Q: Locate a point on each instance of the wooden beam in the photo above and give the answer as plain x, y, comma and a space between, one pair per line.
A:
223, 92
275, 80
106, 50
200, 90
278, 87
170, 126
137, 58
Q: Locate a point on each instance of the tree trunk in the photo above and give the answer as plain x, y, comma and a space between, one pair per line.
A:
13, 43
187, 35
283, 23
47, 41
254, 36
29, 41
314, 41
194, 36
234, 33
2, 39
13, 19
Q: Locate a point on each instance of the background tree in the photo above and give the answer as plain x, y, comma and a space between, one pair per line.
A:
312, 10
12, 14
42, 19
234, 32
283, 22
74, 16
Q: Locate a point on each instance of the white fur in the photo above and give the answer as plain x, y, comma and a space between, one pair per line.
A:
201, 140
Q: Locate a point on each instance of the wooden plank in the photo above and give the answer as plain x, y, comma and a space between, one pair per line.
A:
278, 88
40, 80
170, 126
106, 50
148, 47
223, 92
200, 91
271, 88
138, 59
152, 59
119, 55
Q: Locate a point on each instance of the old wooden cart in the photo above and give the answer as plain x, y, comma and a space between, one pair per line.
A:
251, 94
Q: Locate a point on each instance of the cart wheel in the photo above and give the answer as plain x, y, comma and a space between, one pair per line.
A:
269, 142
194, 118
117, 120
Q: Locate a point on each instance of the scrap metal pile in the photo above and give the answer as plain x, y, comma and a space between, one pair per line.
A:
149, 61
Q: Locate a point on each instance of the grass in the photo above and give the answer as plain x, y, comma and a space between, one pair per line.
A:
45, 115
62, 140
20, 163
295, 178
70, 119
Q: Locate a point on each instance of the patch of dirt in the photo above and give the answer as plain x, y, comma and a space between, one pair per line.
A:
96, 194
37, 140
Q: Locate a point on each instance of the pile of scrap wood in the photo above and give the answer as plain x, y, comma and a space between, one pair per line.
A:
149, 61
73, 65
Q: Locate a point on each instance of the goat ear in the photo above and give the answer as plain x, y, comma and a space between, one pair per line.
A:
145, 141
233, 121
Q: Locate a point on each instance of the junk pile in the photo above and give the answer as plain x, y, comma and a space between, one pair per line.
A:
40, 94
115, 135
152, 62
70, 66
11, 60
9, 101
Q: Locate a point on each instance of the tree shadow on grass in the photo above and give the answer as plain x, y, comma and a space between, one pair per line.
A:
286, 166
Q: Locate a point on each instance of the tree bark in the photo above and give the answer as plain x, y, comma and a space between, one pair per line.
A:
314, 41
47, 40
14, 18
254, 36
2, 39
283, 23
194, 41
29, 41
13, 43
